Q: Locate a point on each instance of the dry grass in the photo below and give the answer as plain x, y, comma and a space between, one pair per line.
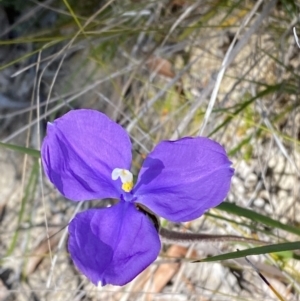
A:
162, 69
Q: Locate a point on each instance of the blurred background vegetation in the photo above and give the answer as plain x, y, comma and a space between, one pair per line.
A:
225, 69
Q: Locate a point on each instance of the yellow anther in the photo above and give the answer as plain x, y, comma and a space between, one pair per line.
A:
127, 186
125, 176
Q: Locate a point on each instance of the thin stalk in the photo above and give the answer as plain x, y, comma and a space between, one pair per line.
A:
170, 236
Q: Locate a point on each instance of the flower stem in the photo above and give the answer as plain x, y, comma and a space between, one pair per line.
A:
170, 236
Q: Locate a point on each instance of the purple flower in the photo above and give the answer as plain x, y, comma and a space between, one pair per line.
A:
88, 156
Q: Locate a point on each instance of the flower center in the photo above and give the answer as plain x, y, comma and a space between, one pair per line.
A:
125, 176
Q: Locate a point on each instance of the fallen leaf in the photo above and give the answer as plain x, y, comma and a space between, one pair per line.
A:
160, 66
163, 274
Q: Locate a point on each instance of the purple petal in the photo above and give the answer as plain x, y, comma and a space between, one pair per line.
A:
81, 150
180, 180
112, 245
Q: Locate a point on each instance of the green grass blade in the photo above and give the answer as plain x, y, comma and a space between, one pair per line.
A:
257, 217
29, 192
25, 150
289, 246
245, 141
268, 90
254, 228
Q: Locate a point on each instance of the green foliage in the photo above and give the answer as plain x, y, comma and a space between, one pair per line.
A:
284, 247
256, 217
21, 149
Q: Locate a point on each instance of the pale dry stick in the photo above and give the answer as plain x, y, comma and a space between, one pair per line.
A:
173, 27
170, 117
140, 64
276, 138
131, 58
263, 167
126, 294
141, 36
251, 62
78, 292
175, 48
59, 246
265, 279
64, 49
23, 292
40, 165
152, 76
149, 284
132, 13
50, 57
265, 182
154, 72
198, 102
248, 68
293, 280
179, 274
233, 51
185, 13
264, 267
70, 99
127, 118
78, 297
167, 119
25, 160
263, 176
287, 54
54, 55
257, 188
153, 100
296, 37
242, 42
53, 80
222, 281
128, 81
43, 103
188, 117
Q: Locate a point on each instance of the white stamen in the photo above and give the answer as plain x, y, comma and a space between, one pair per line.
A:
116, 173
124, 174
